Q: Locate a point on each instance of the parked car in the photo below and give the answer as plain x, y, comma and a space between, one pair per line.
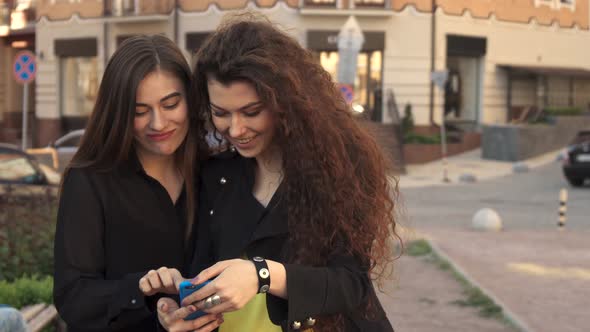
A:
576, 159
59, 152
20, 168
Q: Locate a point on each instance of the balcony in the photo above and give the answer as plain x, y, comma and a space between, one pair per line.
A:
17, 17
371, 8
137, 10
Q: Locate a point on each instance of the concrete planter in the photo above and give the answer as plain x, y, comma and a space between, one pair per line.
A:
423, 153
523, 141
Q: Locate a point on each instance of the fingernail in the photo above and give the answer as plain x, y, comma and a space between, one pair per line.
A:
192, 308
220, 321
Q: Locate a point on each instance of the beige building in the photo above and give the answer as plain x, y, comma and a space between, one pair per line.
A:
17, 33
500, 54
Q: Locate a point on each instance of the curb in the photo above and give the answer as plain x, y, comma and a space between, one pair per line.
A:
510, 316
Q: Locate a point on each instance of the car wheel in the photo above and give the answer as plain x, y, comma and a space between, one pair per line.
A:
576, 182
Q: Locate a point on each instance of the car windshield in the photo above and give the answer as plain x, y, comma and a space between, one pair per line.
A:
15, 167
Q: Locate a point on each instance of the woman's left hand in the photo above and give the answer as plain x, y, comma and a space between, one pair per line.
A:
235, 283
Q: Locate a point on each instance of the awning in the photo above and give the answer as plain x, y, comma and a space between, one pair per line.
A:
546, 71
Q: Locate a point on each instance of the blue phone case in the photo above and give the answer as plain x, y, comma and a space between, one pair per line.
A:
186, 289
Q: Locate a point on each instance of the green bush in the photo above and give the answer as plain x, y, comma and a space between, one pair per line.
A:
557, 111
413, 138
26, 291
27, 228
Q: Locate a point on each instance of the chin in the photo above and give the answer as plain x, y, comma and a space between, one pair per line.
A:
248, 153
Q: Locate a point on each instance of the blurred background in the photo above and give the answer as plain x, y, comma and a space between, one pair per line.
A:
480, 104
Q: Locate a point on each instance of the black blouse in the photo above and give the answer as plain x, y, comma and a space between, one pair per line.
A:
112, 228
233, 223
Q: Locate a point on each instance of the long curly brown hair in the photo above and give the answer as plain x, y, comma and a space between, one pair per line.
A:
338, 194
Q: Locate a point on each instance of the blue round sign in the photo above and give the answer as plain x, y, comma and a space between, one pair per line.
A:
24, 67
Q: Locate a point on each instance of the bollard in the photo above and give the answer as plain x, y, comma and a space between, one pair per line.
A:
562, 209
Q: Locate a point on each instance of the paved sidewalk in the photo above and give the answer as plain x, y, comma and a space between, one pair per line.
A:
541, 278
420, 299
431, 174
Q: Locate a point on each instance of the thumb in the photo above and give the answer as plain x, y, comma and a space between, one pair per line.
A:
166, 305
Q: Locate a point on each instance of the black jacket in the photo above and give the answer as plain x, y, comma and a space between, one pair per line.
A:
232, 222
112, 228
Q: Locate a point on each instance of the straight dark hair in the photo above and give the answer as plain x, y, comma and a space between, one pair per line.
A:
108, 138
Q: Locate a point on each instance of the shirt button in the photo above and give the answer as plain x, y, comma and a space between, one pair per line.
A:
296, 325
133, 301
211, 212
310, 321
223, 180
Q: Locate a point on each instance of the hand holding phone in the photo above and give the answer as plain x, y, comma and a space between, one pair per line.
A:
186, 288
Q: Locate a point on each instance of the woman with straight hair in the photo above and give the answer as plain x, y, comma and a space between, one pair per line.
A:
296, 223
129, 188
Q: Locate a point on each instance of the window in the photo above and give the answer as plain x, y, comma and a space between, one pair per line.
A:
79, 79
557, 4
326, 3
369, 3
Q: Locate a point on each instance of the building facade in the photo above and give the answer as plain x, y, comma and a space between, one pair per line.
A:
500, 54
17, 33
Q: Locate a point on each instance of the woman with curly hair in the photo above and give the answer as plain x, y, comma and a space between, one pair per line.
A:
295, 220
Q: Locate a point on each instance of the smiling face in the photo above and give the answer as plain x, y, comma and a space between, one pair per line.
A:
161, 122
239, 115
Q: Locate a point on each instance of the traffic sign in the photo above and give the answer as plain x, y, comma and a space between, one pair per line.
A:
347, 92
24, 67
440, 78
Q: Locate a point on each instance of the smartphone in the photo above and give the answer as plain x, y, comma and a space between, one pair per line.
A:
186, 289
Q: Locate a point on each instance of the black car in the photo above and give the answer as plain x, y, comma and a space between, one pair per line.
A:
18, 167
576, 159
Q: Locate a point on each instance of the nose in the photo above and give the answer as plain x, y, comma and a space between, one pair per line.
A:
158, 120
237, 127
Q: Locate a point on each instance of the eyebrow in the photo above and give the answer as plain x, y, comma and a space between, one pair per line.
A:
245, 107
171, 95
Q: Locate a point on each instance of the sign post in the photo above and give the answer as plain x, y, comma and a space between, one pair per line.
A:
439, 78
24, 69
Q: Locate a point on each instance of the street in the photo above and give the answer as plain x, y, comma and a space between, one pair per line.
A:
523, 201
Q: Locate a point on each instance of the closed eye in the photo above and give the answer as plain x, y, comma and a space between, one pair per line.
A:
171, 102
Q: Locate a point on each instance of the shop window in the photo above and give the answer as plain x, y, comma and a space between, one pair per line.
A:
368, 81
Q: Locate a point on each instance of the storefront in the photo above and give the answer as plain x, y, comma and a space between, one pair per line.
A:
369, 78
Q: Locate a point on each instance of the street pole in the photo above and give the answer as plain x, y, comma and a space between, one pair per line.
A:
443, 138
25, 115
439, 78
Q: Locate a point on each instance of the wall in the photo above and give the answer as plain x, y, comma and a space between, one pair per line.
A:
520, 142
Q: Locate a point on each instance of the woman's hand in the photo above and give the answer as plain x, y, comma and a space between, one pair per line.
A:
172, 318
235, 283
164, 280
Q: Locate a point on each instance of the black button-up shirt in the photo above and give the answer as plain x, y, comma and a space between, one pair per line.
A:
233, 223
112, 228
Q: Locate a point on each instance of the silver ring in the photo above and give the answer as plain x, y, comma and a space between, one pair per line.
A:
216, 299
208, 303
